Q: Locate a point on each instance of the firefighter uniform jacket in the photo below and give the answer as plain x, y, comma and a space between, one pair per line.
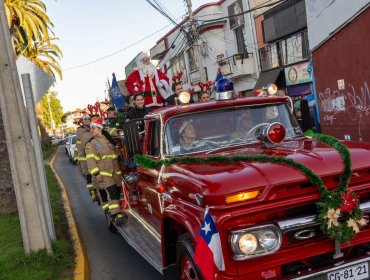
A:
101, 159
83, 135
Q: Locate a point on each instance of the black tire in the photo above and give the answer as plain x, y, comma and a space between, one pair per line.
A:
185, 265
70, 159
111, 227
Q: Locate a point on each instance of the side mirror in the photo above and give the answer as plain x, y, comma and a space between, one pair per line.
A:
291, 106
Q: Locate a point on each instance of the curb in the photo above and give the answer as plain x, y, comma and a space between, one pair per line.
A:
81, 271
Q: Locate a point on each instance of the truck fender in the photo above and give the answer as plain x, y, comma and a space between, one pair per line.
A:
176, 220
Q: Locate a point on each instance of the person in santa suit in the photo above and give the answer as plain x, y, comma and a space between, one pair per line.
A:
148, 80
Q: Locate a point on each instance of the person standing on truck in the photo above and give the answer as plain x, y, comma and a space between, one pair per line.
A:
205, 95
150, 81
102, 163
83, 135
177, 88
139, 111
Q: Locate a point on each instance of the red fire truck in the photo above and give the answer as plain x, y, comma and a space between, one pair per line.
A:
265, 212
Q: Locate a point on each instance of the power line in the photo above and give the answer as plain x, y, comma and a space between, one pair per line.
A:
161, 10
116, 52
264, 5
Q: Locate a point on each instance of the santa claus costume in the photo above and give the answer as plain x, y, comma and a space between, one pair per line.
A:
152, 82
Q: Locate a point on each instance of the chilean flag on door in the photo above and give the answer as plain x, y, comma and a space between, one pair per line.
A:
208, 252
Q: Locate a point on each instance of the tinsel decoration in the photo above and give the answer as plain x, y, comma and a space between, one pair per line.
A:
338, 210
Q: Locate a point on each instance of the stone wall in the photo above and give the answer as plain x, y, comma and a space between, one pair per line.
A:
7, 196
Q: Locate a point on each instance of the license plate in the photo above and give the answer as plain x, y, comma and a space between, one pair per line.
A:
354, 272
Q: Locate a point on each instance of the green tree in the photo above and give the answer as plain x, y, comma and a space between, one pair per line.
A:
55, 110
31, 33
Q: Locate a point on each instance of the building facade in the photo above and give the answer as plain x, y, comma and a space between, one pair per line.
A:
282, 39
226, 42
339, 38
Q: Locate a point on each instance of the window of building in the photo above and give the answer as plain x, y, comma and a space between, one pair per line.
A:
178, 65
294, 48
270, 57
242, 49
287, 51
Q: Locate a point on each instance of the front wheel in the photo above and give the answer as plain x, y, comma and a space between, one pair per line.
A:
186, 267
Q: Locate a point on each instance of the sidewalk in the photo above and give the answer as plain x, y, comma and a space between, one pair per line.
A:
81, 271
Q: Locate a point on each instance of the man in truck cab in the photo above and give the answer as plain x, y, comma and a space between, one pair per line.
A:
189, 141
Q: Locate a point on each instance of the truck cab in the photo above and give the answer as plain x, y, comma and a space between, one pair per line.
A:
265, 213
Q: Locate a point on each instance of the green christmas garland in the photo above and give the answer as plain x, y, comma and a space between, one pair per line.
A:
339, 212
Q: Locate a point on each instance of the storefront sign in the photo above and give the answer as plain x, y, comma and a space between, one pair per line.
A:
297, 74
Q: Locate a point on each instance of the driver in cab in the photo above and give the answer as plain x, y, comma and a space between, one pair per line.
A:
244, 126
187, 134
189, 141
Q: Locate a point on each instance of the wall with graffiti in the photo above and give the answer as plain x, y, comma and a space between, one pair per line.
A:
342, 73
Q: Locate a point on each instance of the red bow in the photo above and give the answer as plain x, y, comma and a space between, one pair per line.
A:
191, 90
177, 78
350, 202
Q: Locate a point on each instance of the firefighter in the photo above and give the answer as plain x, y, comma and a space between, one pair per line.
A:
83, 135
103, 165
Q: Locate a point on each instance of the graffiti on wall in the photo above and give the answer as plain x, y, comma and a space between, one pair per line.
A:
354, 103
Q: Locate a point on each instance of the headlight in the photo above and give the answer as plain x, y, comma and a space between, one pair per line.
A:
248, 243
255, 242
268, 239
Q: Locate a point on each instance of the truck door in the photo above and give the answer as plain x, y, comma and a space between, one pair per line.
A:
149, 197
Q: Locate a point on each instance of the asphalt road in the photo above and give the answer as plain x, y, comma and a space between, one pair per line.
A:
109, 256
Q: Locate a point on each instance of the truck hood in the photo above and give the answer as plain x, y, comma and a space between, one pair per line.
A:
271, 179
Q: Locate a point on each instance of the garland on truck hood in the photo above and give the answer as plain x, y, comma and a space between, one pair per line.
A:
338, 210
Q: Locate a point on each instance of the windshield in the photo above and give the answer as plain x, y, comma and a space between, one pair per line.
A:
205, 131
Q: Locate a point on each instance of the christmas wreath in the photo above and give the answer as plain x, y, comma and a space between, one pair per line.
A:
338, 210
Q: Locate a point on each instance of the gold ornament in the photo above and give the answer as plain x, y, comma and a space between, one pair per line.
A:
332, 215
353, 224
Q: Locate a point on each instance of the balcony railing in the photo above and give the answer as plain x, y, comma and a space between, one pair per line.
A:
237, 65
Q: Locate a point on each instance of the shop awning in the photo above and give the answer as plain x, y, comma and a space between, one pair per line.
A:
267, 77
299, 90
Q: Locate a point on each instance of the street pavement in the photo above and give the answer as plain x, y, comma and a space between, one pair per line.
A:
109, 256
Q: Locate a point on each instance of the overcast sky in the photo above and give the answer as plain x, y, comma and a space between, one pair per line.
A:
91, 30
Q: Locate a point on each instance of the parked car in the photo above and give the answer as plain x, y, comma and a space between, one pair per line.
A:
70, 147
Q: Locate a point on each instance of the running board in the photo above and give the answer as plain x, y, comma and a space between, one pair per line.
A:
139, 237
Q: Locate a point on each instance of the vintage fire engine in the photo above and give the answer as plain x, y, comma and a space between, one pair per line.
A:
265, 212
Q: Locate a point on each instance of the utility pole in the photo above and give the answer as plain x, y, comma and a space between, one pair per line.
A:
22, 159
196, 44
